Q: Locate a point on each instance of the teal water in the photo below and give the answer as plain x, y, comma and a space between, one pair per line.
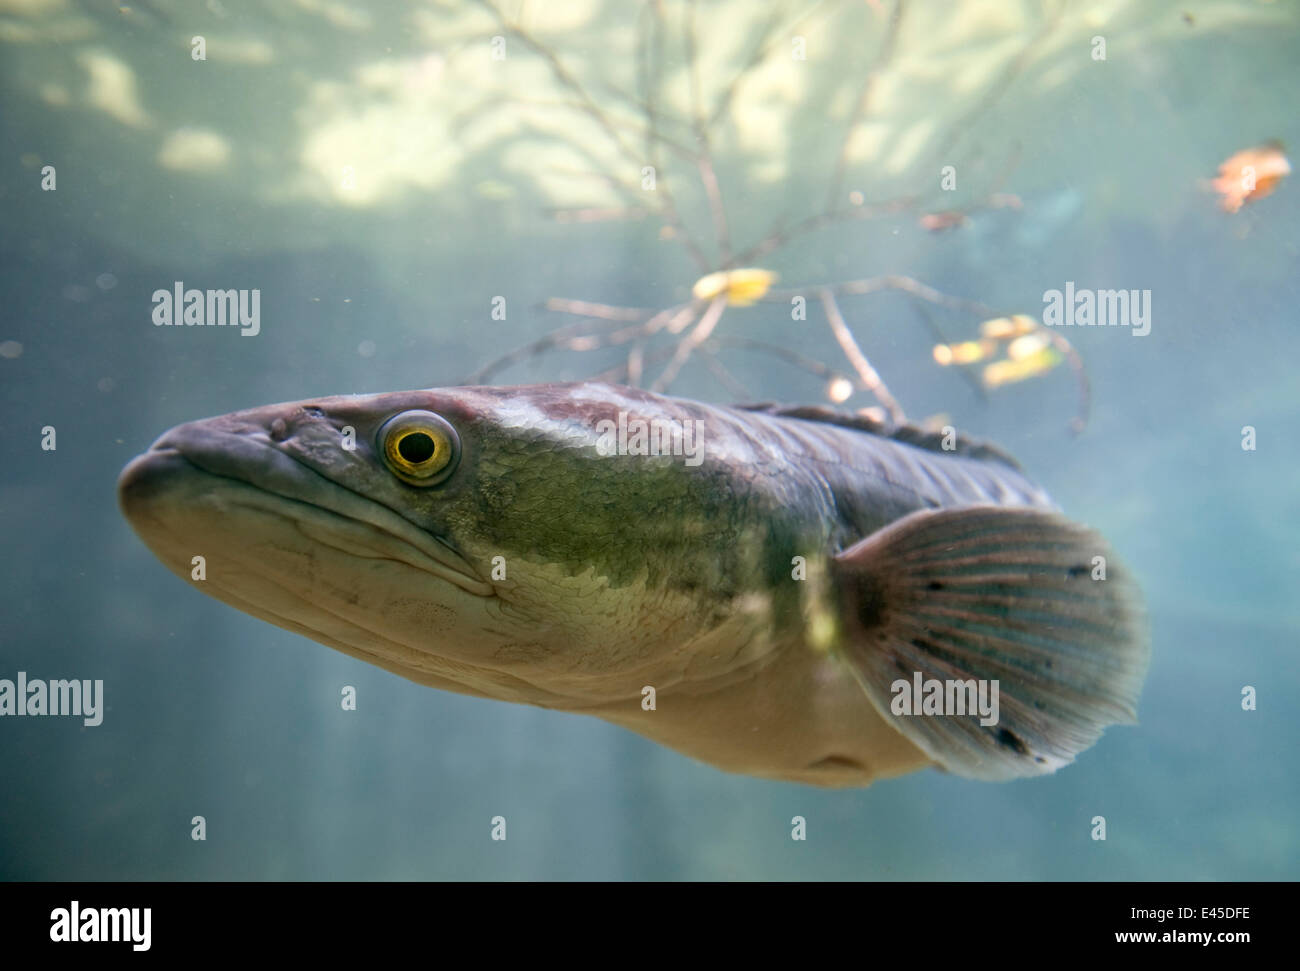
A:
380, 178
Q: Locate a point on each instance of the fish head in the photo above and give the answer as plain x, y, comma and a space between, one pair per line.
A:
474, 539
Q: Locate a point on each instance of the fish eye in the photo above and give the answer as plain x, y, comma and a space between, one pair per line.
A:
419, 447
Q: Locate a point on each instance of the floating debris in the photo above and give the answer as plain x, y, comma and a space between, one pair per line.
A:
1027, 346
965, 352
1012, 370
1027, 350
839, 390
741, 287
938, 222
946, 219
1006, 328
1251, 174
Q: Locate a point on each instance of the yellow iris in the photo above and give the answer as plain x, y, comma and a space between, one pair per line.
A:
420, 448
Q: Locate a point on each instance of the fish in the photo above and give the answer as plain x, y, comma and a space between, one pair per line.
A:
772, 590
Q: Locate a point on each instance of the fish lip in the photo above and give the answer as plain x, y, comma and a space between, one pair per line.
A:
423, 550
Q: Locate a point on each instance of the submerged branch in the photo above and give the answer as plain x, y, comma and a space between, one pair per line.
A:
868, 375
1003, 83
883, 58
891, 281
588, 105
687, 345
1080, 421
772, 34
708, 176
644, 129
546, 342
725, 377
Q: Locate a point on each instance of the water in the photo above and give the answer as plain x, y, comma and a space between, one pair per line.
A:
234, 172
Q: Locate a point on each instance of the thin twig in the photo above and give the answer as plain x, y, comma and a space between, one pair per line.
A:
690, 342
938, 336
704, 162
531, 349
999, 87
588, 105
772, 34
619, 373
883, 58
636, 363
562, 74
782, 235
892, 281
859, 360
1080, 421
602, 311
809, 364
725, 377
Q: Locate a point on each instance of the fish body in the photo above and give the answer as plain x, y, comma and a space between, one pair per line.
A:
747, 586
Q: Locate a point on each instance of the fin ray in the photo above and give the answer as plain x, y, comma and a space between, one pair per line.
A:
999, 595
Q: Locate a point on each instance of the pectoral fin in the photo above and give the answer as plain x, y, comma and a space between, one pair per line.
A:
1006, 595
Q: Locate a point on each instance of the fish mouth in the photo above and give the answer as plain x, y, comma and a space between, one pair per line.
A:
264, 479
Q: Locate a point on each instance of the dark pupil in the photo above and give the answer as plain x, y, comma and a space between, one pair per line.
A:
416, 447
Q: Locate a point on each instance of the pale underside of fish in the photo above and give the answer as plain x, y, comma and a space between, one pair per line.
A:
772, 591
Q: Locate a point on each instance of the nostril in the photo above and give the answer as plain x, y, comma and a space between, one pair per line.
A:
279, 430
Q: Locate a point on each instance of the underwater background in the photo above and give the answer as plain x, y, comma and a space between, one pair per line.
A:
382, 171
